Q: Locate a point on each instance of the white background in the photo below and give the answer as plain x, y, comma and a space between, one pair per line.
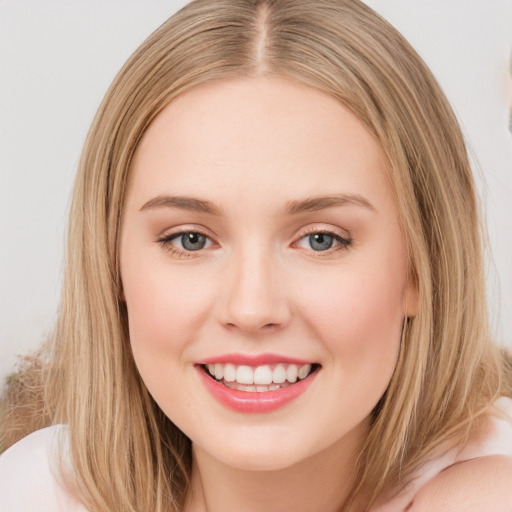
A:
58, 57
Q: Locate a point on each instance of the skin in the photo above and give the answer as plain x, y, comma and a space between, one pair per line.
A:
251, 147
476, 485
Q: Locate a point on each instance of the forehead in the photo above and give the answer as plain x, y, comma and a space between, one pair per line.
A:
265, 135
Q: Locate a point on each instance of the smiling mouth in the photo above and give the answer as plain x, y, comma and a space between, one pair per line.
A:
259, 379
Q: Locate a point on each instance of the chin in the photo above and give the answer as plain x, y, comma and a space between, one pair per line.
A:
256, 456
260, 462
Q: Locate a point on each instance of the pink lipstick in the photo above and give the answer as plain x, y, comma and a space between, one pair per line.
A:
263, 383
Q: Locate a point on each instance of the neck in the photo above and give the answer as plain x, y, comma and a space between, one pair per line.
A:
320, 483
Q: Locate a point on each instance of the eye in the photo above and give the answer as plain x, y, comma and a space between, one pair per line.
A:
185, 242
320, 241
191, 241
323, 241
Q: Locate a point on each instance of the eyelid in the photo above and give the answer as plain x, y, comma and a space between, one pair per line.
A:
343, 238
185, 228
166, 238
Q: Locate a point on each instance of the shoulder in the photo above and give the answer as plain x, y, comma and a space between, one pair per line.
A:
29, 474
480, 479
483, 484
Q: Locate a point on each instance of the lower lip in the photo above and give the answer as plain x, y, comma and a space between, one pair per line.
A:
245, 401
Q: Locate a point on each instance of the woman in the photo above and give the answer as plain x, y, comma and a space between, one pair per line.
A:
274, 293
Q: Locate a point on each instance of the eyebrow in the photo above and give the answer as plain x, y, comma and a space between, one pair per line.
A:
310, 204
313, 204
183, 202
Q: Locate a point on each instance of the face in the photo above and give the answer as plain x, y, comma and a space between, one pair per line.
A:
264, 271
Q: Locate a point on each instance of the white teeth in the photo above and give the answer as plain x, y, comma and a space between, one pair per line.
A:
229, 372
303, 371
244, 375
292, 373
279, 374
263, 377
219, 371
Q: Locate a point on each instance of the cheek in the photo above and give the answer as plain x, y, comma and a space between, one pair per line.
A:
358, 315
165, 308
356, 304
165, 313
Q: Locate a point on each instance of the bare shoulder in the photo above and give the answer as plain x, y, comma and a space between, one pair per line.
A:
482, 484
480, 477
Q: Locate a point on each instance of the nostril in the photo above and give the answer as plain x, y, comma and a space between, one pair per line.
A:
270, 326
252, 324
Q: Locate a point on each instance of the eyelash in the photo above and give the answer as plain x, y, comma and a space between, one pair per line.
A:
343, 242
166, 242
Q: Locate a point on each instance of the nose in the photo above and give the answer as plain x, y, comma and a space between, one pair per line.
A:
254, 296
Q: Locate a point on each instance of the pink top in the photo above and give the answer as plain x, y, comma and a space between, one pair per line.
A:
29, 480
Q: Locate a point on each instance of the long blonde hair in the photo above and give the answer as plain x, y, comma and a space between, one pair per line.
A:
127, 455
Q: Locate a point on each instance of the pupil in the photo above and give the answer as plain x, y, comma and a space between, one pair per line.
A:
320, 241
193, 241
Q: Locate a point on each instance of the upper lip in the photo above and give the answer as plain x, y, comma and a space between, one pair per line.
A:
253, 359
